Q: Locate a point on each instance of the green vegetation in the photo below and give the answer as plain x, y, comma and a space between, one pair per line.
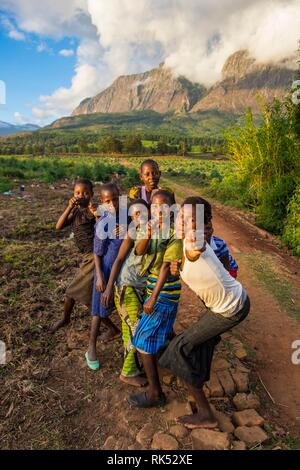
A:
49, 170
266, 172
109, 133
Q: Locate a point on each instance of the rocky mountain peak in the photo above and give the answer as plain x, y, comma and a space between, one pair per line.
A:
243, 78
157, 89
237, 65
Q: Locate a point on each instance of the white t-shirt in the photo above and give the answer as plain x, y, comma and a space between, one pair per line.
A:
208, 278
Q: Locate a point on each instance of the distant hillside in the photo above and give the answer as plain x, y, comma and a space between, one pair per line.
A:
205, 123
7, 129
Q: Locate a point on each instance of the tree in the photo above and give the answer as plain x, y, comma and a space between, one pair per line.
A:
110, 144
162, 148
83, 146
133, 144
183, 148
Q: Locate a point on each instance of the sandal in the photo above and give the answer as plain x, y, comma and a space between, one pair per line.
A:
93, 365
141, 401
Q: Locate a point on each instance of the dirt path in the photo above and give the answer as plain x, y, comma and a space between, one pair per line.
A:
269, 331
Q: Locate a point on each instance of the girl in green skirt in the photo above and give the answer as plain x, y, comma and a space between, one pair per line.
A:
129, 294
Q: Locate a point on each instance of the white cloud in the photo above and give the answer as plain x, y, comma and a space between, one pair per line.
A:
49, 17
66, 52
17, 35
42, 47
20, 119
194, 37
12, 31
84, 83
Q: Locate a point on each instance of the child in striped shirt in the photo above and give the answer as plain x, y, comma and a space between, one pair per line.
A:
163, 292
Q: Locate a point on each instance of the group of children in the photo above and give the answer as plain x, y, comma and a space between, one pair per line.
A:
131, 274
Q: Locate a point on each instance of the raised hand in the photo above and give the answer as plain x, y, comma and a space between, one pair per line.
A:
73, 202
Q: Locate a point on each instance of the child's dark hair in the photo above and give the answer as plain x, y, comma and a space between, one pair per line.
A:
149, 162
138, 201
110, 187
194, 200
170, 197
84, 182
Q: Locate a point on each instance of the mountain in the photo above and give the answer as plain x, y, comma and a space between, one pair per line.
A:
243, 78
6, 128
156, 89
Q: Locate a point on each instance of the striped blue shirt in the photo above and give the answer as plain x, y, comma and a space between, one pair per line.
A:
221, 249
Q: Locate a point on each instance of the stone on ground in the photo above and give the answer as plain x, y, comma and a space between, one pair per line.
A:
224, 421
110, 443
163, 441
177, 408
227, 382
240, 367
145, 434
241, 380
178, 431
240, 353
135, 446
215, 388
207, 439
220, 364
247, 418
239, 445
244, 401
238, 348
251, 435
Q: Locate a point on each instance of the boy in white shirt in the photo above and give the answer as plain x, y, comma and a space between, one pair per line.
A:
189, 355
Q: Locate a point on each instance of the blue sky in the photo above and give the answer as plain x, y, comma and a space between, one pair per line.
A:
28, 73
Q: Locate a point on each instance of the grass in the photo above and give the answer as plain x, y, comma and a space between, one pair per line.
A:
268, 275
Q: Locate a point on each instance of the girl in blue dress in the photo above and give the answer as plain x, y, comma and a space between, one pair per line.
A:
105, 253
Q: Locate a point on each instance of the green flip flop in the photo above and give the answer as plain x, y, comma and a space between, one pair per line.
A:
93, 365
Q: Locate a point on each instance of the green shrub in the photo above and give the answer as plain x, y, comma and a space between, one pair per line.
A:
273, 204
84, 171
5, 184
291, 232
131, 178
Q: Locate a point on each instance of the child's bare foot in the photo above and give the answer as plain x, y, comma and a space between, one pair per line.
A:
137, 381
198, 420
61, 323
109, 335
